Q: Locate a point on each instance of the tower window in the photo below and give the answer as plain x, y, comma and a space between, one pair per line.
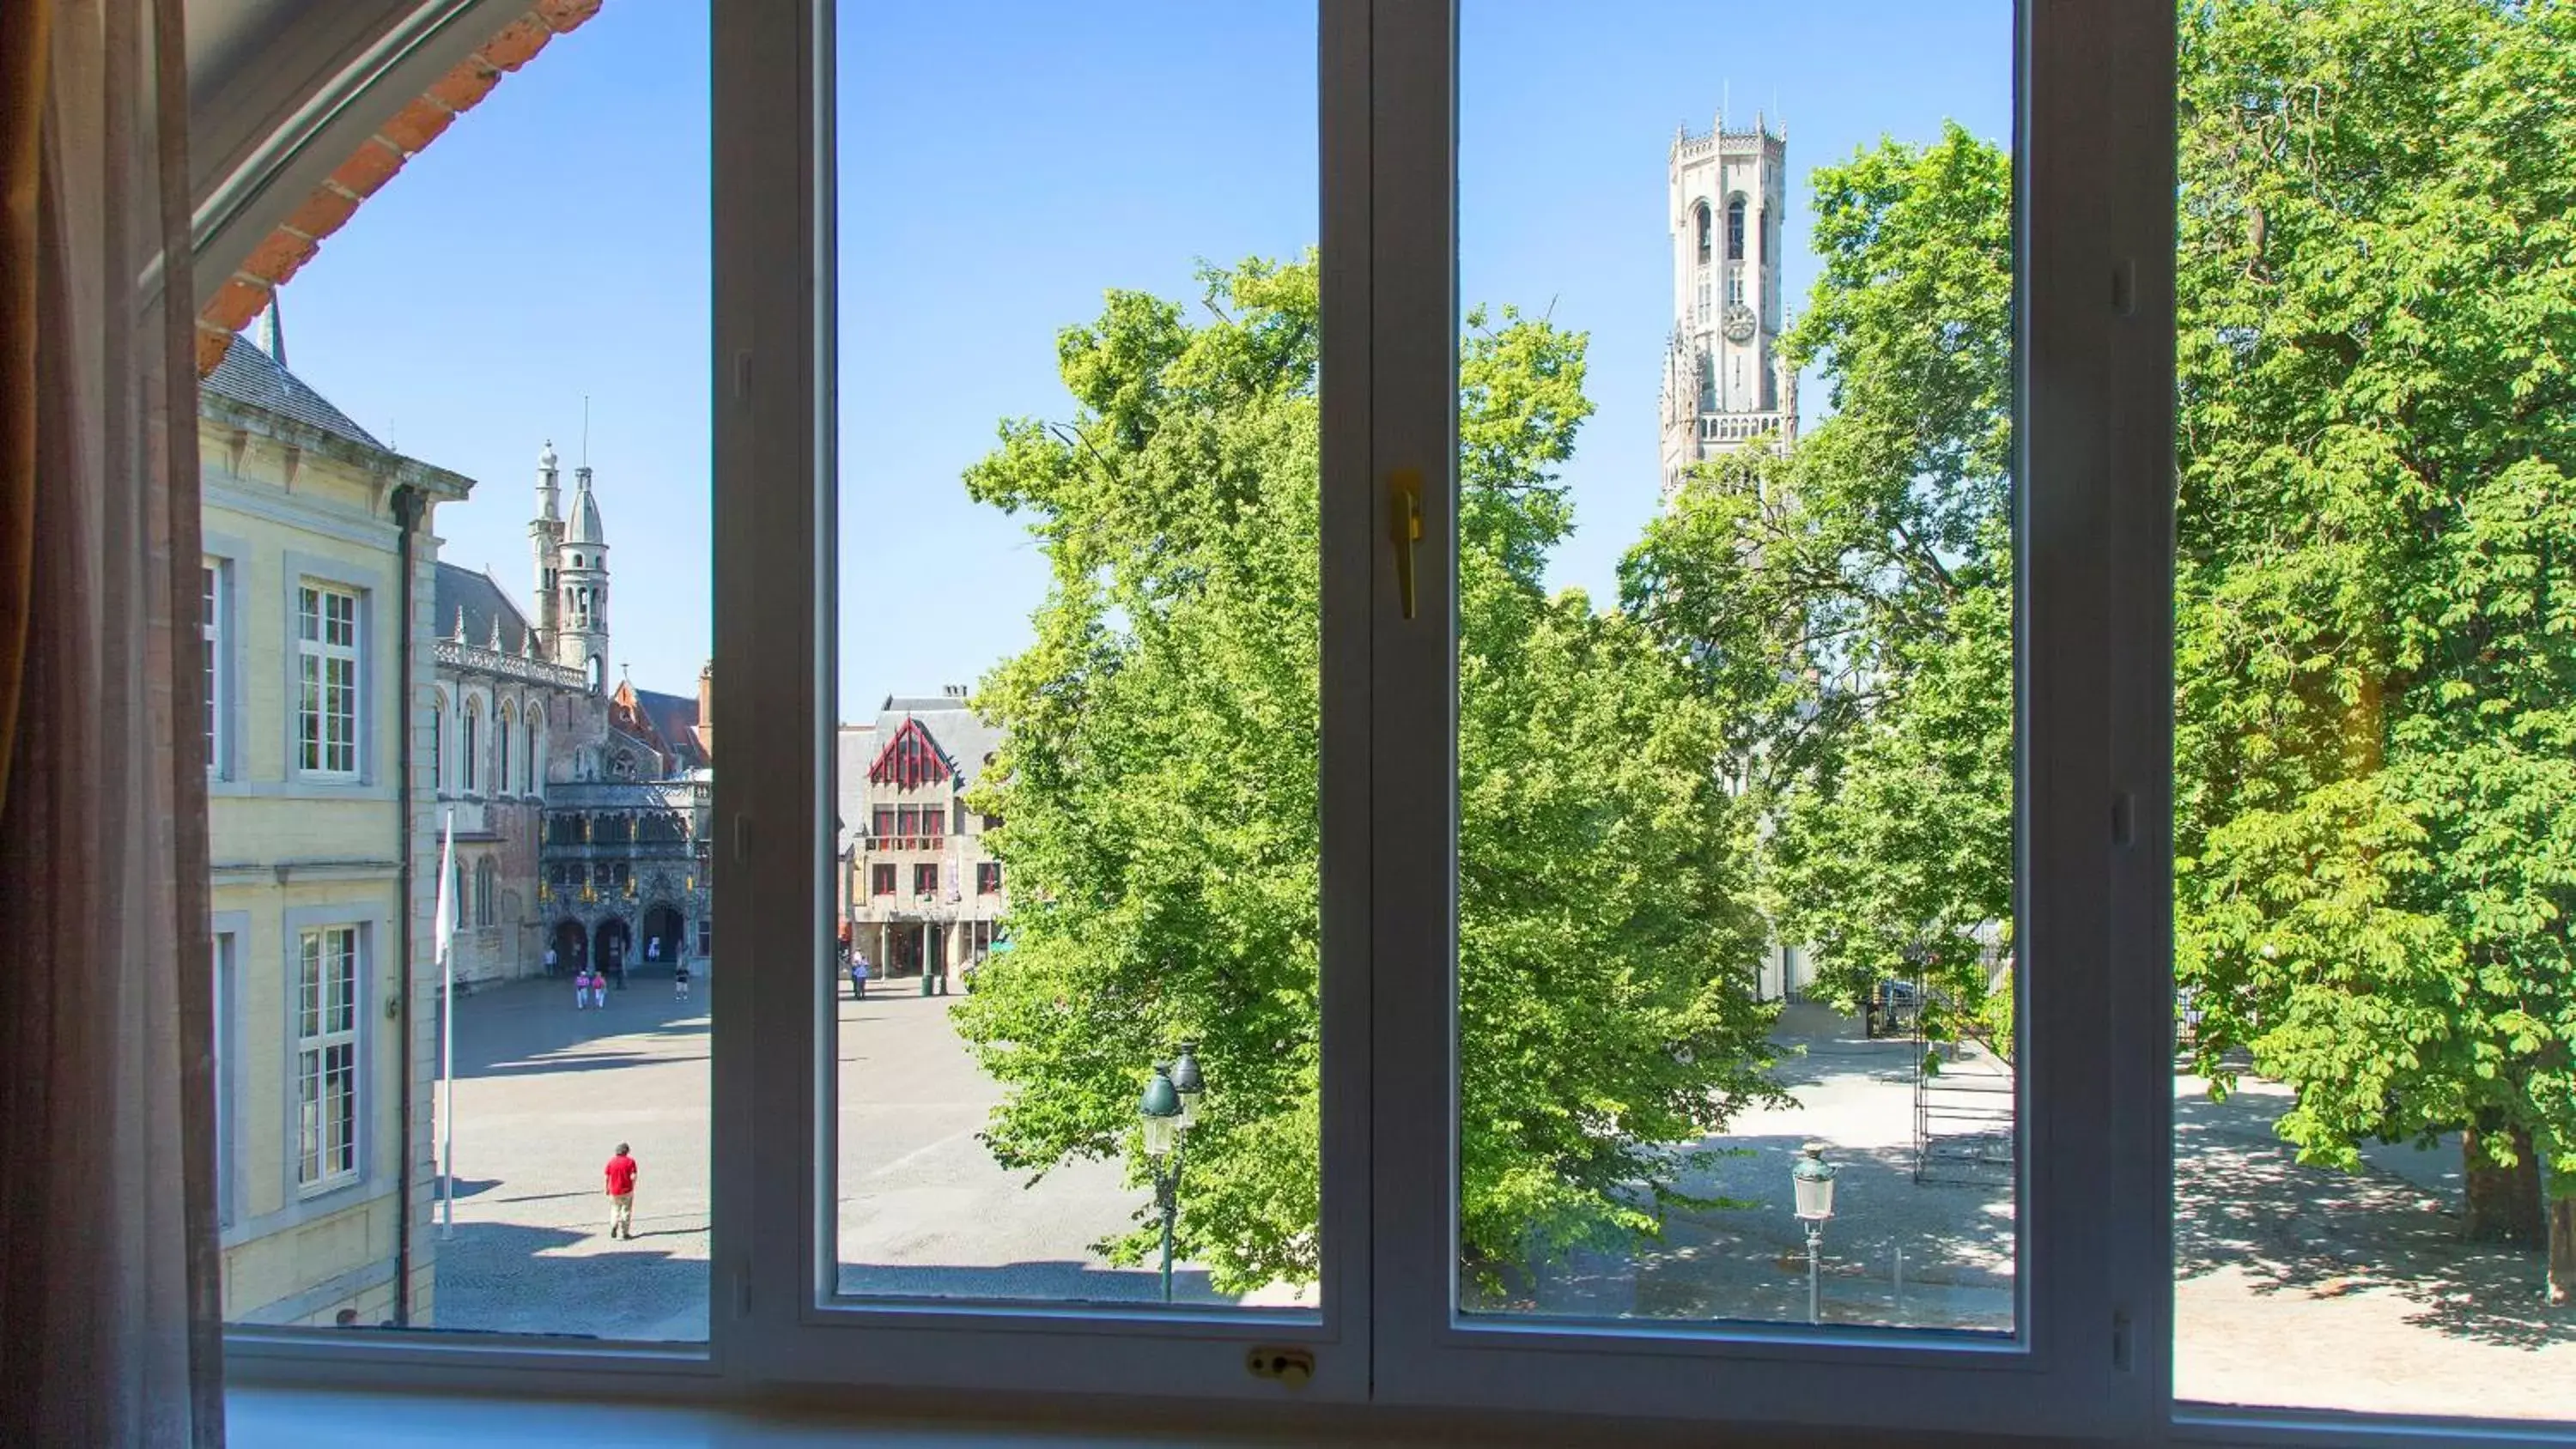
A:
1702, 213
1734, 232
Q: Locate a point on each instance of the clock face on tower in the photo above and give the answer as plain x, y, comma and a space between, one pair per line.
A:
1739, 323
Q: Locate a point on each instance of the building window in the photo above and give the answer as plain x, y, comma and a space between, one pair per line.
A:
438, 747
1702, 214
1703, 299
467, 741
880, 880
925, 879
884, 821
326, 1057
1735, 286
327, 679
988, 878
934, 821
210, 631
907, 822
534, 780
501, 752
1735, 230
487, 889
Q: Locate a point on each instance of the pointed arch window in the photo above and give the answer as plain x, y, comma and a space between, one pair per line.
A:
466, 742
1734, 231
501, 750
1701, 212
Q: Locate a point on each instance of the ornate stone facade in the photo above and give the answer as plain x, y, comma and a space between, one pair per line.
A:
1726, 383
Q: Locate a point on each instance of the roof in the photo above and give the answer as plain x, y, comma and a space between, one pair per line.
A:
961, 734
585, 515
855, 750
675, 718
483, 600
248, 375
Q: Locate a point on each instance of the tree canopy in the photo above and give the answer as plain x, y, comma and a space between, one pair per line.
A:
1159, 783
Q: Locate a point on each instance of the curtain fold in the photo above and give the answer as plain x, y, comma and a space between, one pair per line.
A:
108, 1259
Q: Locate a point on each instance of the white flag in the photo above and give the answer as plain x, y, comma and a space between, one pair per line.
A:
447, 889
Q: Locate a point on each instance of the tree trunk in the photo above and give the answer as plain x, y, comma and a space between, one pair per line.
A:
2562, 1251
2503, 1202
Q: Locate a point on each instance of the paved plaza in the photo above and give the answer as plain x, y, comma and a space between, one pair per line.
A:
2295, 1287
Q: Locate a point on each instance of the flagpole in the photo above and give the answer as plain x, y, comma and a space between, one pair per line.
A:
447, 1026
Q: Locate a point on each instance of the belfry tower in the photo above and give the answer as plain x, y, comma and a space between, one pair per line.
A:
1725, 383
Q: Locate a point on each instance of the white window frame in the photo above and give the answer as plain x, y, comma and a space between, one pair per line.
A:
318, 656
329, 1014
215, 630
2092, 1352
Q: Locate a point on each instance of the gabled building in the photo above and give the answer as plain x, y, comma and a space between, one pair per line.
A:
920, 892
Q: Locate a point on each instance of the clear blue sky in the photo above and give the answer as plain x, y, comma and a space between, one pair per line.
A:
1001, 164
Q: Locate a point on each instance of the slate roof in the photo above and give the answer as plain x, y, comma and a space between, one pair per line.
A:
675, 718
962, 734
482, 599
248, 375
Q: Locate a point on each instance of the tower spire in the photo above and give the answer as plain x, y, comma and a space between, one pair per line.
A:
272, 332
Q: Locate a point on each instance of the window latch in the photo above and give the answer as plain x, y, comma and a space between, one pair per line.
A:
1404, 524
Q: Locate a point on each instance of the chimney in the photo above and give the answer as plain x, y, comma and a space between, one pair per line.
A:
707, 705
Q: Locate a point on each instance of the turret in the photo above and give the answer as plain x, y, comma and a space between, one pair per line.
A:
581, 586
545, 531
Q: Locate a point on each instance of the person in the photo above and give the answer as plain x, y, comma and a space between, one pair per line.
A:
621, 1194
580, 988
859, 976
550, 963
598, 988
680, 979
653, 948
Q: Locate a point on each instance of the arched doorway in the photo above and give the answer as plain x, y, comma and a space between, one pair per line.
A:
609, 944
571, 946
665, 935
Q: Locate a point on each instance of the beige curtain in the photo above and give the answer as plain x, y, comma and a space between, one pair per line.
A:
108, 1331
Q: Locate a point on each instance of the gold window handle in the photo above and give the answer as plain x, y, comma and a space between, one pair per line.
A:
1404, 523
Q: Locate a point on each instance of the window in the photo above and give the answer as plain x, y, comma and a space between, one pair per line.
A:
1735, 286
880, 880
438, 747
534, 769
326, 1057
934, 821
469, 754
988, 877
1735, 230
211, 635
1700, 213
501, 751
487, 890
327, 677
885, 821
925, 880
908, 822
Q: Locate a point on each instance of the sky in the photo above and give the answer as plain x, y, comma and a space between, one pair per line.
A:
1001, 165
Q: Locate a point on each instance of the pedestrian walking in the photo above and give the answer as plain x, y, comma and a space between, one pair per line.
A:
680, 980
859, 977
598, 985
581, 988
621, 1194
550, 963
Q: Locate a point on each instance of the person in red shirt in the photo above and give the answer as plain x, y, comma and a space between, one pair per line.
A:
621, 1194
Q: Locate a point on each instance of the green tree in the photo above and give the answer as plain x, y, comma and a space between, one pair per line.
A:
2377, 723
1159, 788
1848, 607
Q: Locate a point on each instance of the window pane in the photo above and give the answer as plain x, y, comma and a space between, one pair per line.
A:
440, 364
1736, 811
2375, 1132
1092, 387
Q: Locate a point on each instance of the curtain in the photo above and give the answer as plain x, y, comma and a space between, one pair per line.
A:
108, 1262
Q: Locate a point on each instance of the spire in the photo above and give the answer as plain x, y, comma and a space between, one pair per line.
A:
272, 333
586, 528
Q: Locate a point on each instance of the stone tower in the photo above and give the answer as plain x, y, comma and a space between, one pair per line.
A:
545, 535
581, 588
1725, 384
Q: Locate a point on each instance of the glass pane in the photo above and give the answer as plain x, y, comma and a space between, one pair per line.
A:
1735, 598
1084, 377
2375, 1124
506, 344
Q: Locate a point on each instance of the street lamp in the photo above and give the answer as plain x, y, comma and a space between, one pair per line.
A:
1165, 1116
1187, 1081
1812, 1178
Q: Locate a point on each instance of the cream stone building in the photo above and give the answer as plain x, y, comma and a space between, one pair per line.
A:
1726, 383
319, 554
919, 892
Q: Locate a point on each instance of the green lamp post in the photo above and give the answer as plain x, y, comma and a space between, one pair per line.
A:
1812, 1179
1164, 1113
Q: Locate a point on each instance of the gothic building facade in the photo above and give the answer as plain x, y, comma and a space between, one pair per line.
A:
920, 894
580, 810
1726, 385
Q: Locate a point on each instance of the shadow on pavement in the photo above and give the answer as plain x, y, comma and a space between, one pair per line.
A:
1047, 1281
508, 1278
2244, 1201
